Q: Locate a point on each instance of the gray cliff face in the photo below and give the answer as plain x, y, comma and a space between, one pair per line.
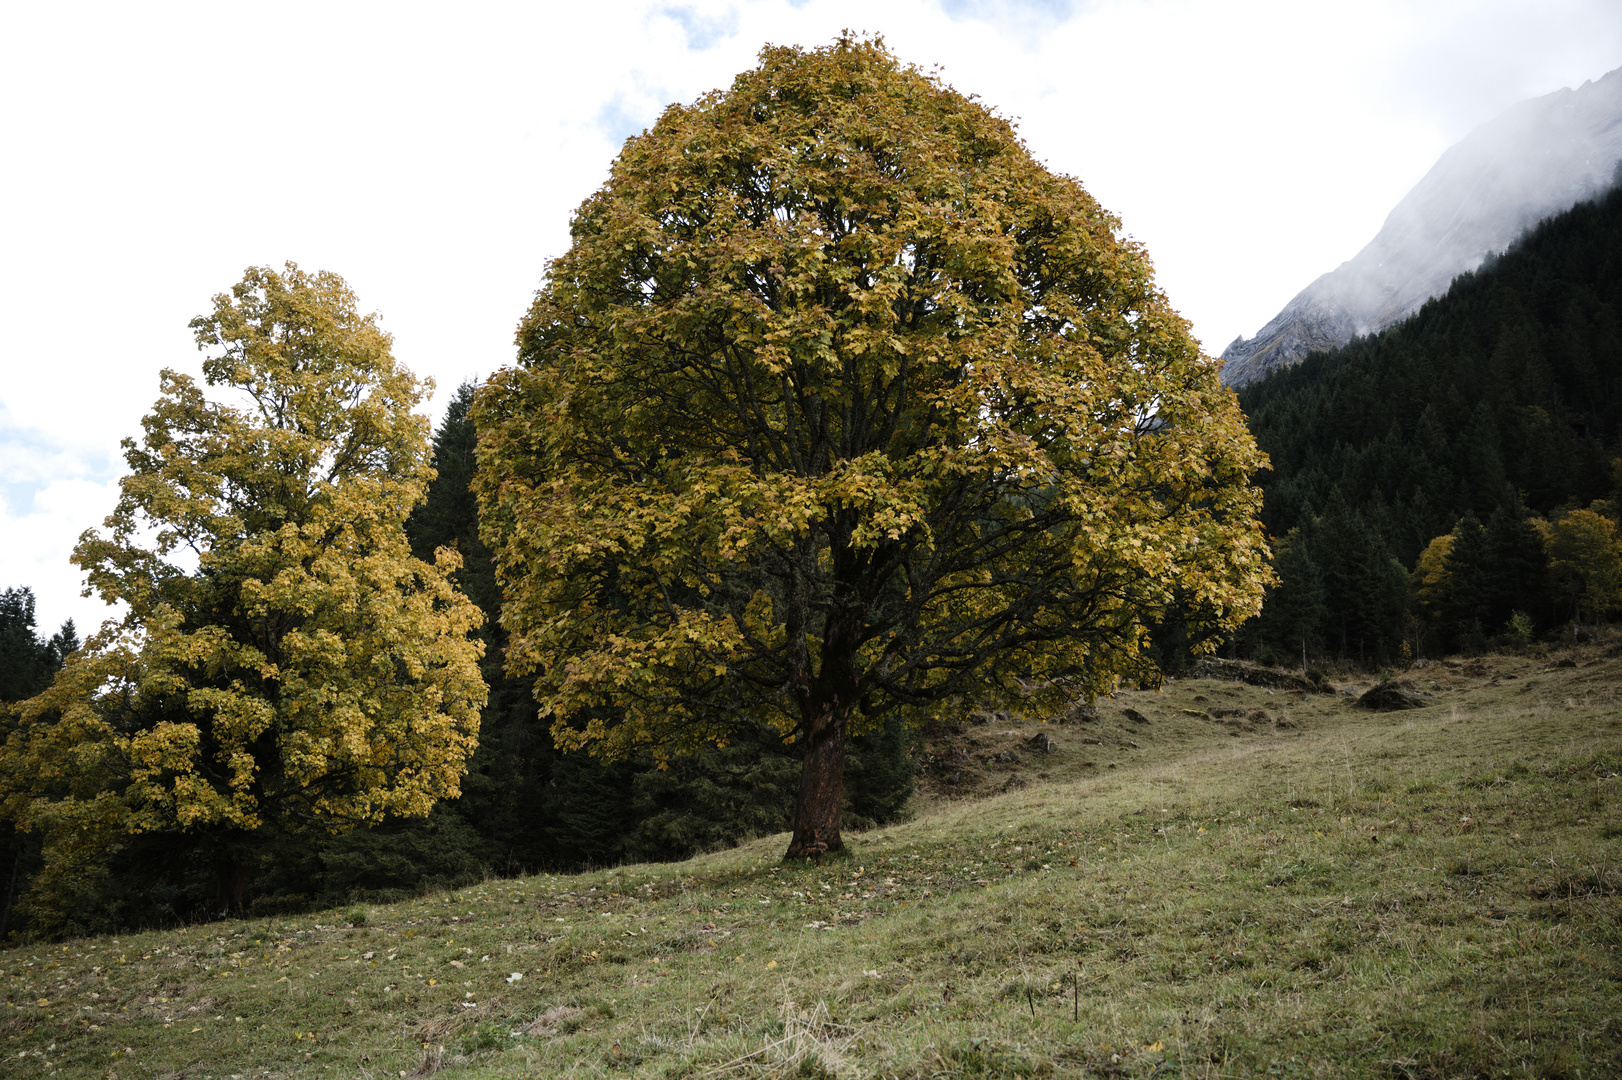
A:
1537, 159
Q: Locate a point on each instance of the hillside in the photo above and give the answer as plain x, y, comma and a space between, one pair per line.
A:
1510, 382
1236, 882
1498, 402
1537, 159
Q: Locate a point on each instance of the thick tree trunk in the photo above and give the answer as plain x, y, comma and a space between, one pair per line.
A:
231, 879
822, 785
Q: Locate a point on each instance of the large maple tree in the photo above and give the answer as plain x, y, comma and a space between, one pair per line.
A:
839, 403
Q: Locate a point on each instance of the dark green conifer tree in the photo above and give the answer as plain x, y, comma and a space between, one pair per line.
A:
1515, 574
1294, 613
449, 516
28, 663
1464, 607
1365, 589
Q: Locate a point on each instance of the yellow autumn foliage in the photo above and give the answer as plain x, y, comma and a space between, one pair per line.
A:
1585, 561
841, 403
282, 661
1430, 579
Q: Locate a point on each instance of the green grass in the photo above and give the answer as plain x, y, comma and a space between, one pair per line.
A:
1314, 891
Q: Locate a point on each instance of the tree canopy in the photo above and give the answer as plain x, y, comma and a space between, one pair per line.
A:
840, 403
284, 662
1585, 561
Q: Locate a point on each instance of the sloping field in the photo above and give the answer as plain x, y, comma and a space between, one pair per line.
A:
1238, 882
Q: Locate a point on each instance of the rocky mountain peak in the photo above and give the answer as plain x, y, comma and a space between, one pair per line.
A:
1538, 158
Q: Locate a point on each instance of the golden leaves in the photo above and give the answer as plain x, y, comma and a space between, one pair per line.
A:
837, 384
310, 658
1585, 559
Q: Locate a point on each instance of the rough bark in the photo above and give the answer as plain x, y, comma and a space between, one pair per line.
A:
822, 785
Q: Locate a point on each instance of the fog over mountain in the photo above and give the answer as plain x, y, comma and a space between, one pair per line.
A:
1537, 159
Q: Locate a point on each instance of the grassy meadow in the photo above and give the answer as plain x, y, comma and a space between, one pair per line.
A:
1241, 883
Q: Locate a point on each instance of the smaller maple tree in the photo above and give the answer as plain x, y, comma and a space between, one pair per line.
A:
1585, 562
283, 663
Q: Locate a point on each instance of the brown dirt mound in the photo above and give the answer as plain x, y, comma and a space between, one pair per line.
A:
1390, 696
1212, 667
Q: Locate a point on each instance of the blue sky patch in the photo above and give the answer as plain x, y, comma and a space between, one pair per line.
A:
33, 461
702, 31
621, 119
1049, 11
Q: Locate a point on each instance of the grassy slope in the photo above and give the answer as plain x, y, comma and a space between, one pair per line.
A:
1430, 893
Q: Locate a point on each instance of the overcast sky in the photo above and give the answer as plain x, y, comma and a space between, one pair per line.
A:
432, 155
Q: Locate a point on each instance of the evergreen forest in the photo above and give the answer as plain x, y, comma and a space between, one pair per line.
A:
1455, 480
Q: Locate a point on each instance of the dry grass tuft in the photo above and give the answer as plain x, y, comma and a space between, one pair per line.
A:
559, 1018
810, 1045
433, 1060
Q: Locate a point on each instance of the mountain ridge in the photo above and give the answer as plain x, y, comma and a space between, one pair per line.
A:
1536, 159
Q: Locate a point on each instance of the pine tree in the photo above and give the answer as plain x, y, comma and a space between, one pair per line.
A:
449, 516
1465, 604
1365, 592
1515, 573
1295, 610
28, 661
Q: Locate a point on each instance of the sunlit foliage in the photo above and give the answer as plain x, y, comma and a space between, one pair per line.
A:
282, 663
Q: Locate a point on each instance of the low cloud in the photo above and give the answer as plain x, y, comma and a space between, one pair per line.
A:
39, 538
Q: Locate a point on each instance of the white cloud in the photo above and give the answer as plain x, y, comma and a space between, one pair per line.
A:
39, 539
433, 155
